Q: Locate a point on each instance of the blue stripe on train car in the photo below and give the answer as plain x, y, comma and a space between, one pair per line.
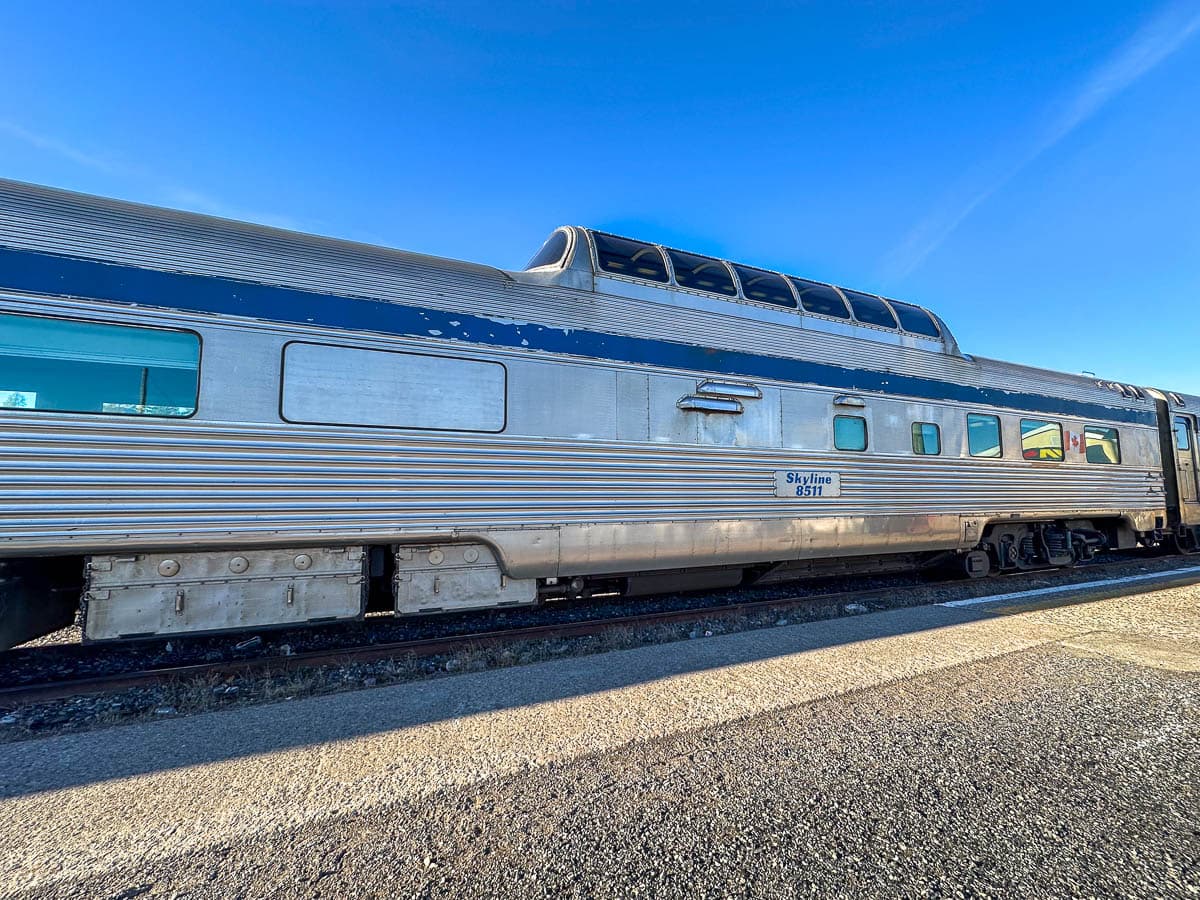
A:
45, 273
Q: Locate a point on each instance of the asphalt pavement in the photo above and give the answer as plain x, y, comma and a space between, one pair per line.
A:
1048, 750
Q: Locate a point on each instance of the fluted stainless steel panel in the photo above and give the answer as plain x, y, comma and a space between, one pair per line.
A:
74, 481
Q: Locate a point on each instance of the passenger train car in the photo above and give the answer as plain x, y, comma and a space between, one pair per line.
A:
209, 426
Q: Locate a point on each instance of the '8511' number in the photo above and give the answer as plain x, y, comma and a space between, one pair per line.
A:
807, 484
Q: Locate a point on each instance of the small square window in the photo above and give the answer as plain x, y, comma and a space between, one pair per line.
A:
850, 433
1041, 440
983, 436
926, 439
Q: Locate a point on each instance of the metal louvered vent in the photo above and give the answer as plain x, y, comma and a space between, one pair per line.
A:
1130, 391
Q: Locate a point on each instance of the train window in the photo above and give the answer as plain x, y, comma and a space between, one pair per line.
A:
850, 433
926, 439
625, 257
914, 319
1103, 445
765, 287
983, 436
702, 273
1183, 440
1041, 440
63, 365
870, 310
551, 253
820, 299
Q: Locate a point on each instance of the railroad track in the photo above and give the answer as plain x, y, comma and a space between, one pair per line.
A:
831, 605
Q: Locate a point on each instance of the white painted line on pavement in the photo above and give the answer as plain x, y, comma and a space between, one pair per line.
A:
1065, 588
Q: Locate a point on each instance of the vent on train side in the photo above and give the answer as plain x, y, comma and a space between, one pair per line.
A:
1128, 391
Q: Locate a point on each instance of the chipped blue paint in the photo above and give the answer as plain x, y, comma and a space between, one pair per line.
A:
44, 273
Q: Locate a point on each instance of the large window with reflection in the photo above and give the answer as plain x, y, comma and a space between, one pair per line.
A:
983, 436
1041, 440
915, 320
1102, 445
764, 287
870, 310
820, 299
552, 252
621, 256
702, 273
87, 367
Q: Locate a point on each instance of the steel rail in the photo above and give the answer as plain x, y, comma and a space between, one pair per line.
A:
22, 695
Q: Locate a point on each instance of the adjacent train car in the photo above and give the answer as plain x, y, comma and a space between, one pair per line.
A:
1179, 415
208, 426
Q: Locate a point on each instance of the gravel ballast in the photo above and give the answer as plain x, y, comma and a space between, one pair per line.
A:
273, 680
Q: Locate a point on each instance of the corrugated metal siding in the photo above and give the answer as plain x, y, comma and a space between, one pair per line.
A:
51, 221
66, 478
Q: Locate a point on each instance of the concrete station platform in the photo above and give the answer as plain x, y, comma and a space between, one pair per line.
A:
138, 807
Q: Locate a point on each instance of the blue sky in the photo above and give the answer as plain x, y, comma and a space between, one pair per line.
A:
1027, 170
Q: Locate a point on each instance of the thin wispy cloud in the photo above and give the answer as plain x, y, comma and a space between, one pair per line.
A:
167, 193
59, 148
1161, 36
197, 201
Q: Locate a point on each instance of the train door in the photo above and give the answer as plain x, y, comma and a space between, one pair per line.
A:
1187, 463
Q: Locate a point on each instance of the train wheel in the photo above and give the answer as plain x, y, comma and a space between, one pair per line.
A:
1186, 541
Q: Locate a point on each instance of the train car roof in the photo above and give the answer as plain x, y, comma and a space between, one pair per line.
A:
712, 303
50, 219
63, 222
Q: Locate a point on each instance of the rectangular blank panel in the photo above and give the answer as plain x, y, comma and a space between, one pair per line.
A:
349, 386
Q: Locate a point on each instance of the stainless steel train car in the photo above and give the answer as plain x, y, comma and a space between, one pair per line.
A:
210, 426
